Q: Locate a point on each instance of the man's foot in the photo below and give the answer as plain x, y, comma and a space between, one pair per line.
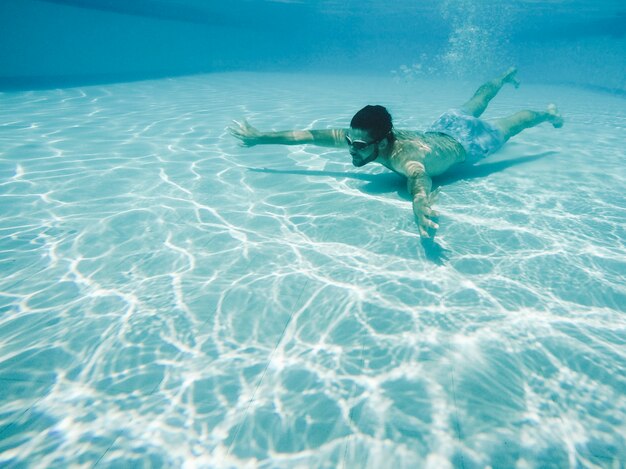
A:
556, 119
509, 77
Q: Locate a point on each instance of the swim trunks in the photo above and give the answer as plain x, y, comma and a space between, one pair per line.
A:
479, 138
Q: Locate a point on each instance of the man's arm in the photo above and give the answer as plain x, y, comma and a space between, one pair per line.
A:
420, 184
250, 136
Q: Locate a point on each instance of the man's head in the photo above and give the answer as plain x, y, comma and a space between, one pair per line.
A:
370, 132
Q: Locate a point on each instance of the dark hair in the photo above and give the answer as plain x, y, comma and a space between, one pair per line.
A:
374, 119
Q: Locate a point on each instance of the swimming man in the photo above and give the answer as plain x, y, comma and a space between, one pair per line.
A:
458, 136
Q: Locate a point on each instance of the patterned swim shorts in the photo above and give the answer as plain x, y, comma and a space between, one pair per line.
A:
478, 137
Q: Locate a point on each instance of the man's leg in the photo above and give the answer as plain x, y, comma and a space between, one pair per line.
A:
478, 103
519, 121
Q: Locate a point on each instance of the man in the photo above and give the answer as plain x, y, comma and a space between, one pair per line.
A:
457, 136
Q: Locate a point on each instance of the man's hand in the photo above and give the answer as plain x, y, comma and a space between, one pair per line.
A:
424, 213
248, 135
419, 185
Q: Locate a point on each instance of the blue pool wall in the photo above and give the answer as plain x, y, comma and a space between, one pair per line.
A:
68, 42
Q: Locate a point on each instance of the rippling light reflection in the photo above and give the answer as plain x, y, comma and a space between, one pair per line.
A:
171, 299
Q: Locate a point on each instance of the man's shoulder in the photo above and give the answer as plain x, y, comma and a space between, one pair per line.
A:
408, 134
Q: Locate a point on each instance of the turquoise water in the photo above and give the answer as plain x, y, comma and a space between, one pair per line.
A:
171, 299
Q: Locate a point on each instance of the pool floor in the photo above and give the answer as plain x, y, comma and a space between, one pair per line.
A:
172, 299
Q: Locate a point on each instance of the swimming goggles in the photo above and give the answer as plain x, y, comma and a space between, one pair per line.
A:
359, 144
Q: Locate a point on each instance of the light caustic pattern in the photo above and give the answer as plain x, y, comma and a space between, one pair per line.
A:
169, 298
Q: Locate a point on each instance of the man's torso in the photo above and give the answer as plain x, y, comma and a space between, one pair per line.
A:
437, 152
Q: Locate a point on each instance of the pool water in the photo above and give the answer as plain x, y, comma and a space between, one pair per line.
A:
172, 299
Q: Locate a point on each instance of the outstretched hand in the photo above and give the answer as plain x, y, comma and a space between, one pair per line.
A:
424, 214
248, 135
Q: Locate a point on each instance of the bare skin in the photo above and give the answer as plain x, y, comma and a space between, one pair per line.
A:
418, 156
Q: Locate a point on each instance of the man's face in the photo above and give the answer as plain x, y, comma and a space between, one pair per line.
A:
361, 146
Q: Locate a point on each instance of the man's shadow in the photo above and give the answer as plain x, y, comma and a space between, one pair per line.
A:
392, 182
